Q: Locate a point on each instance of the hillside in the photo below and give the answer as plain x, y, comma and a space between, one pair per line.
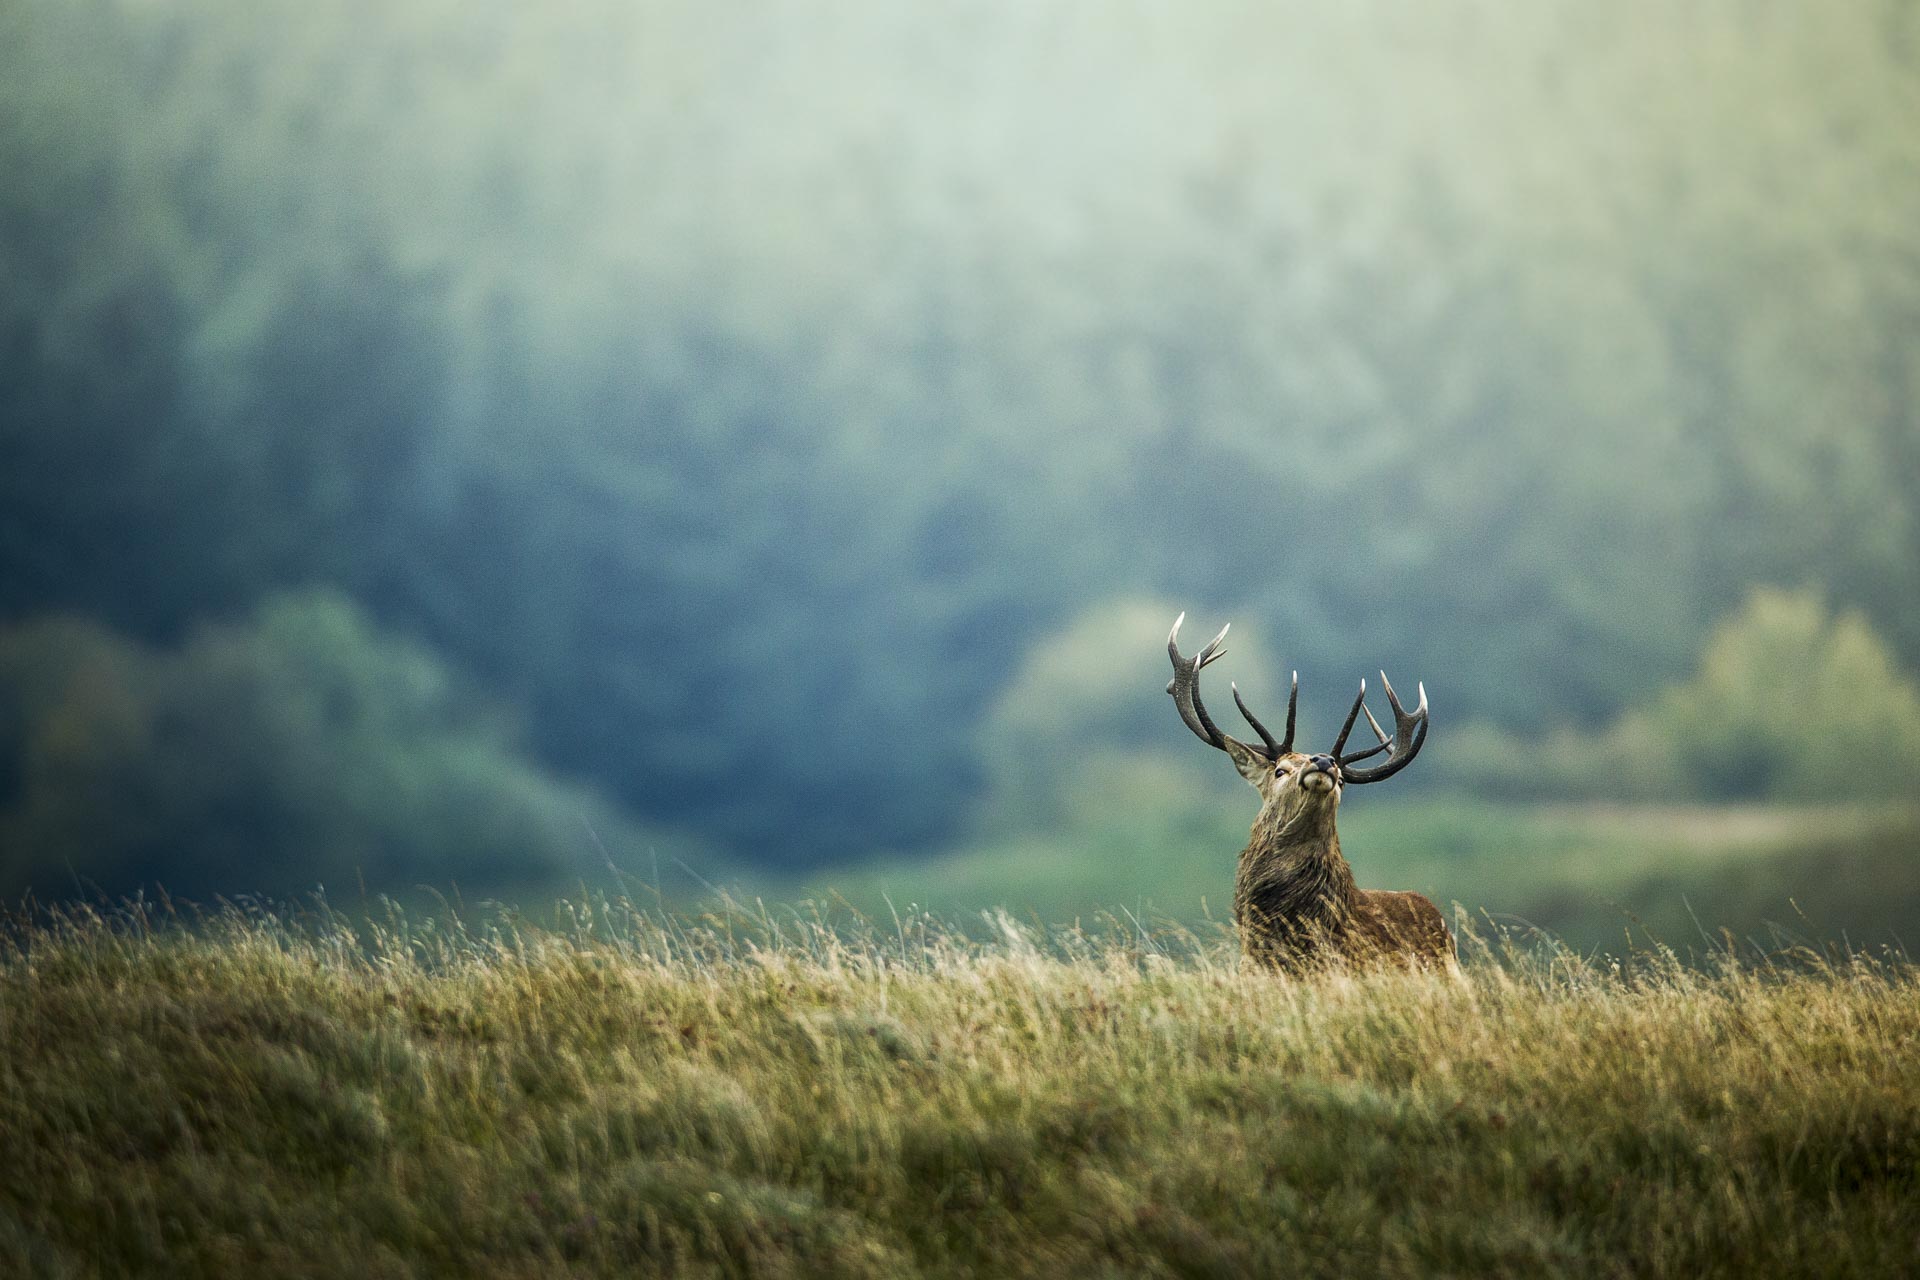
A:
1589, 874
755, 1095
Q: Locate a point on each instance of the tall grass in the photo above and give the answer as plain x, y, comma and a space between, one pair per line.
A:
765, 1093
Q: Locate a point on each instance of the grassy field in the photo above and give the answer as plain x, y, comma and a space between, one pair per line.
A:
754, 1095
1596, 877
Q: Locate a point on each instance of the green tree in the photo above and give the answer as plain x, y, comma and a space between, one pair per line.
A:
1789, 701
300, 747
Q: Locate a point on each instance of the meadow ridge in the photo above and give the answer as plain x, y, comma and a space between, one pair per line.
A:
760, 1092
1597, 877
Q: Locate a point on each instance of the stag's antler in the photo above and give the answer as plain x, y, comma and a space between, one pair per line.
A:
1409, 733
1185, 688
1274, 749
1410, 727
1185, 685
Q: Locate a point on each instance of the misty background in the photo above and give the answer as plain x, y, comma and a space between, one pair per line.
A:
470, 443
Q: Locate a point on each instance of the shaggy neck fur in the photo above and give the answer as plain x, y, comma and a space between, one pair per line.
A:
1294, 898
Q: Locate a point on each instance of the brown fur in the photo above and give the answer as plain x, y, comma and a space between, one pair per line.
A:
1295, 902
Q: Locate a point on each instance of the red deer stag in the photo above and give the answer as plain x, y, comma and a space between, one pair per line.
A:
1294, 899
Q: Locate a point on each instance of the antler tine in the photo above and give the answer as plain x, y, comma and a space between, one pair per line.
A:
1378, 732
1213, 650
1293, 707
1353, 713
1409, 735
1274, 749
1358, 756
1385, 742
1185, 685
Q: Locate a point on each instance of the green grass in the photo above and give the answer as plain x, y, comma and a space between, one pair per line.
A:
1591, 875
760, 1095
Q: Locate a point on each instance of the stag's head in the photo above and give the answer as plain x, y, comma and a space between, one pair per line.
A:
1294, 782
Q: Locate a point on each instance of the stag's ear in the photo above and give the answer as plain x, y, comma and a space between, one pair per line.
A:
1253, 766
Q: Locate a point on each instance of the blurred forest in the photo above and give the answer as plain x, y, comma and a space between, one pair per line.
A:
453, 440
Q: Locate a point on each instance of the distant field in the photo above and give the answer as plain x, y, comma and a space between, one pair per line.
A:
1588, 874
753, 1097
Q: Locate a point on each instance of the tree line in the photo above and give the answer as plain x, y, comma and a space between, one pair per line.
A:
735, 443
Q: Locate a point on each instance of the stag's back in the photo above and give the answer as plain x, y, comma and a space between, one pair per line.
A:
1403, 924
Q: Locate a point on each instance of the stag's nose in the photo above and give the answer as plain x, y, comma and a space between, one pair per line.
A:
1323, 763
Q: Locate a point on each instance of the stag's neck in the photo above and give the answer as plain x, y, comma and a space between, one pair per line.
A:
1292, 873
